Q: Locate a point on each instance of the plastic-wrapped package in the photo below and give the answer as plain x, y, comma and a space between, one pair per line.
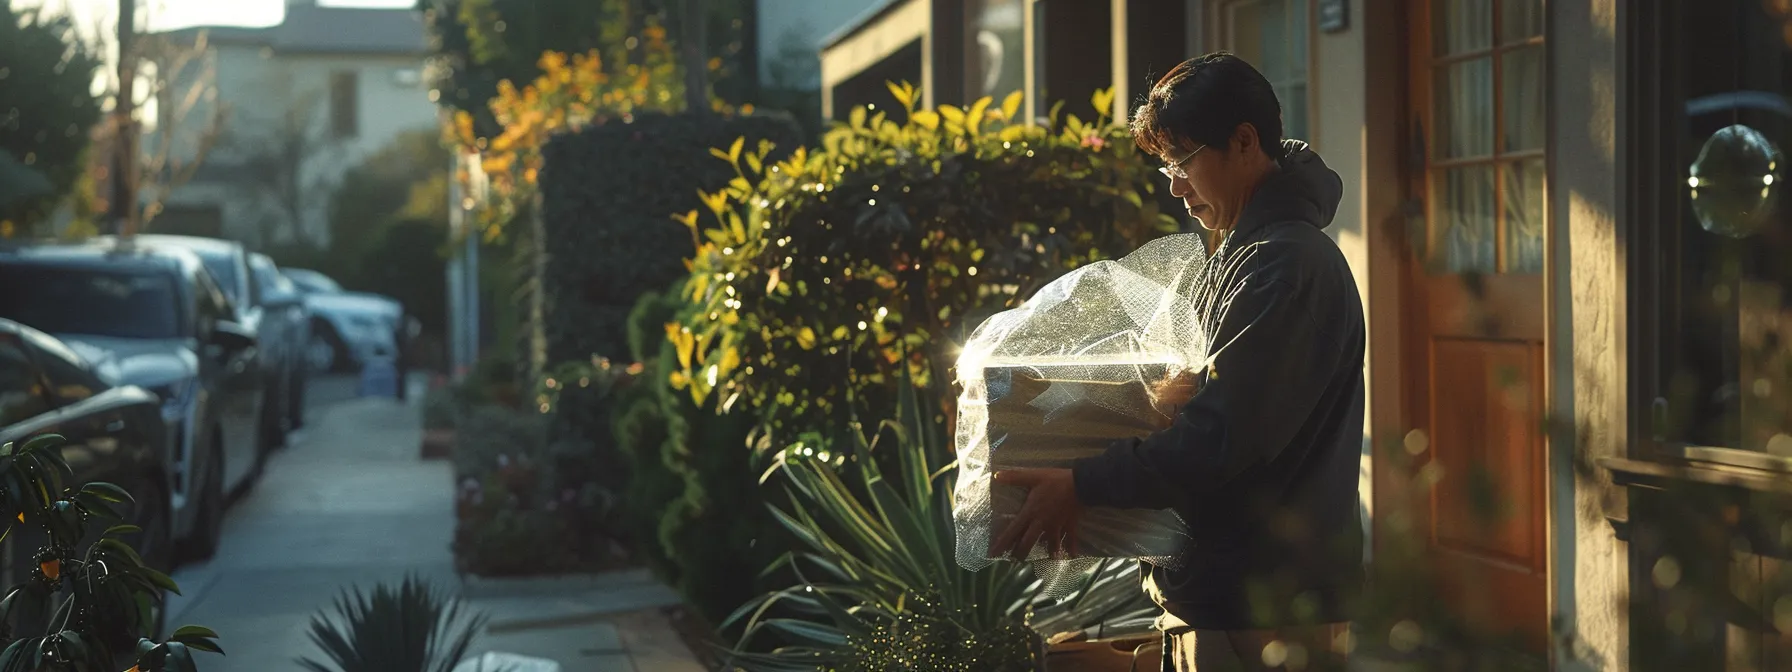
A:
1106, 352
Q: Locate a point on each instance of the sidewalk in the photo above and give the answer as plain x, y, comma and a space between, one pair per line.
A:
350, 503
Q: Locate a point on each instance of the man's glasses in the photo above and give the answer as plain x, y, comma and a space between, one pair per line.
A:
1174, 170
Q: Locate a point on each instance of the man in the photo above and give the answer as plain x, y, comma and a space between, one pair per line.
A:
1262, 461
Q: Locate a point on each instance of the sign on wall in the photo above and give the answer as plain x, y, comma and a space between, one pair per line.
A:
1334, 15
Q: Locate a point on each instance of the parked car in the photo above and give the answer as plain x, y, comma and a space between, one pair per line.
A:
155, 318
284, 304
347, 328
114, 434
267, 316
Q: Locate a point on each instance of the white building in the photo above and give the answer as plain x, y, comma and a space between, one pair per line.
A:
304, 101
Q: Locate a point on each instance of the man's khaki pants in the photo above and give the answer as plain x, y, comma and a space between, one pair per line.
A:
1319, 648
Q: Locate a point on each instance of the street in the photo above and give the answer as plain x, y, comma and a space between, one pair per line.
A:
349, 502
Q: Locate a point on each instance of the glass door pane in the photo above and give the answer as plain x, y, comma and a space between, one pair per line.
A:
1464, 110
1463, 214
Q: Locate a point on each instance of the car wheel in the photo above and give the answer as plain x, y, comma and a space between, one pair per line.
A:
320, 354
210, 527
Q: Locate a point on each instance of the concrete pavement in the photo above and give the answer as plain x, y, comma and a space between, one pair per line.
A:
349, 502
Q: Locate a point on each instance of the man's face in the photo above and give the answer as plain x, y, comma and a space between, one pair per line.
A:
1192, 184
1214, 182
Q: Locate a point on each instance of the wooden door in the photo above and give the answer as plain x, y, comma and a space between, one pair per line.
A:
1474, 323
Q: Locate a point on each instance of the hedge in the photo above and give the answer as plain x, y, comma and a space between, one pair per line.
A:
608, 194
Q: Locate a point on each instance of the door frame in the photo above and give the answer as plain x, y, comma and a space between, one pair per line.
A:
1397, 265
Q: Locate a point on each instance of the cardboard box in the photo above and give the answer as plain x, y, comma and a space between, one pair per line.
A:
1047, 415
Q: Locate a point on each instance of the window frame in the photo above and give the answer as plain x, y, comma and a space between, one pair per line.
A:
1653, 57
345, 115
1219, 34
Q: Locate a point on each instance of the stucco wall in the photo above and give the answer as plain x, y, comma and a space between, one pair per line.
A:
1588, 349
1357, 132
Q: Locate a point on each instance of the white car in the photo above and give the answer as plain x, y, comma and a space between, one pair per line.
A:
348, 328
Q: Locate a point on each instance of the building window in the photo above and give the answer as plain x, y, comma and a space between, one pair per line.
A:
995, 52
345, 104
1272, 35
1714, 230
1482, 110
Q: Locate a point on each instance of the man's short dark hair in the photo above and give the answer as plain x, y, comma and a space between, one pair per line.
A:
1202, 100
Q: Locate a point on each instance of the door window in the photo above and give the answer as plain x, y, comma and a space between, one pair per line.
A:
1485, 120
22, 393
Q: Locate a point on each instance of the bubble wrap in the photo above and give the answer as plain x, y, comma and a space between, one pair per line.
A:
1108, 351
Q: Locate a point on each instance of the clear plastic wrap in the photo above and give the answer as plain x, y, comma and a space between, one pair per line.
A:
1106, 352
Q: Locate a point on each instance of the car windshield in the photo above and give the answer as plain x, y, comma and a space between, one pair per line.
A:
93, 302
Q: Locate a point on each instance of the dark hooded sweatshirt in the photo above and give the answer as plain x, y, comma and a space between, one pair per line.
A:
1263, 462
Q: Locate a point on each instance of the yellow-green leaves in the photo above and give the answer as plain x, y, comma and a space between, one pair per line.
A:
904, 94
1011, 105
974, 118
1103, 100
927, 119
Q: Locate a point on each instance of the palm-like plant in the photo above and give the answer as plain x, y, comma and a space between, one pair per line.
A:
880, 587
410, 628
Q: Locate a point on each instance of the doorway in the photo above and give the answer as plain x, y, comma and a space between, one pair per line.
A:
1475, 316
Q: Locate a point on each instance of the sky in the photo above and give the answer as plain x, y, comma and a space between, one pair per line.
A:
94, 15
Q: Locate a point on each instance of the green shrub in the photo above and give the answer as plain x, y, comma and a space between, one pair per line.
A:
515, 513
441, 410
692, 501
823, 269
492, 438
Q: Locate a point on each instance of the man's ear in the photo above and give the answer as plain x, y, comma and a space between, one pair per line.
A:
1244, 138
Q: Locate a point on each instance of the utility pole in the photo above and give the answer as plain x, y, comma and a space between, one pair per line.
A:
123, 215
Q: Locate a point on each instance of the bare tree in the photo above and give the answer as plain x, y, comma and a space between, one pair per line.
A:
189, 120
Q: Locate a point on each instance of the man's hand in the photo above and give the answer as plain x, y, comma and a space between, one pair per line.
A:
1050, 513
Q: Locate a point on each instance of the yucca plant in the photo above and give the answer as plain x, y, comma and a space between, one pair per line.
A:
408, 628
880, 587
96, 592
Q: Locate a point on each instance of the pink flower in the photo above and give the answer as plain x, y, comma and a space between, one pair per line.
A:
1094, 141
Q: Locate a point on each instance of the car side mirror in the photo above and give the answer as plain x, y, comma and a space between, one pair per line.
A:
232, 336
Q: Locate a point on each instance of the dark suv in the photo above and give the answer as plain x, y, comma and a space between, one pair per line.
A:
155, 318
